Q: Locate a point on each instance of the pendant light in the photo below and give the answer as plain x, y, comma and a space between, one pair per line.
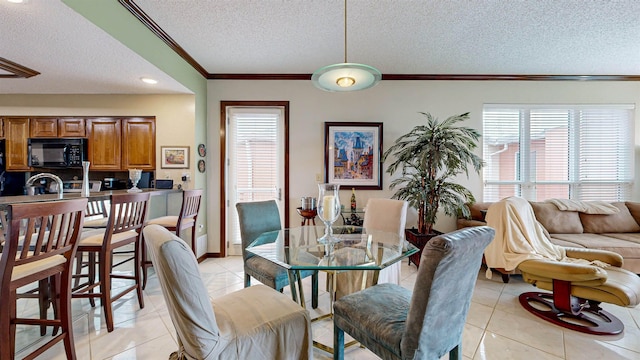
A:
346, 76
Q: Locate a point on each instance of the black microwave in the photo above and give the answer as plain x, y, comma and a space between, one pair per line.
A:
57, 153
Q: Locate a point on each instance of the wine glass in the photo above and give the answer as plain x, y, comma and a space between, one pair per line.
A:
134, 175
328, 206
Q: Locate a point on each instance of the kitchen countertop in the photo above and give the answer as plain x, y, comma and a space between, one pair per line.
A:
104, 195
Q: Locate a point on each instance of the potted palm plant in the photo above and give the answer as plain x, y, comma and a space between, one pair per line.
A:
428, 158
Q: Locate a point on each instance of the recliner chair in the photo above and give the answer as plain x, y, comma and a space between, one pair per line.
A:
579, 279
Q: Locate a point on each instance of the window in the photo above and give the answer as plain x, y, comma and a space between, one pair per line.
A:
558, 151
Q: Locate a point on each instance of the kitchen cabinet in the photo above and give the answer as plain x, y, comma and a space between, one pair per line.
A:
139, 143
104, 143
42, 127
1, 128
16, 131
122, 144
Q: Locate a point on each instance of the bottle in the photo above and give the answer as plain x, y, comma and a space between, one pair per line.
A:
353, 200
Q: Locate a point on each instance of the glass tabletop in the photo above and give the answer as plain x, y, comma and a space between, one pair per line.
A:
357, 248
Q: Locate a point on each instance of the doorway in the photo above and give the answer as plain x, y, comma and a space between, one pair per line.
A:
255, 167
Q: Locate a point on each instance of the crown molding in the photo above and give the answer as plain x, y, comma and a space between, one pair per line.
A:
15, 70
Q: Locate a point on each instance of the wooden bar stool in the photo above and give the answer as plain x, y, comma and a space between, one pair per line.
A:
186, 219
43, 251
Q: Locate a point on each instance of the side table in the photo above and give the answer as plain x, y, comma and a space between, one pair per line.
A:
418, 240
308, 216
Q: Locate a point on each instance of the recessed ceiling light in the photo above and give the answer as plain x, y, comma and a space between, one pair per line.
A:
149, 80
16, 1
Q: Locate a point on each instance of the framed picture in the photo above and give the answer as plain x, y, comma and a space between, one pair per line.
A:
202, 150
352, 154
175, 157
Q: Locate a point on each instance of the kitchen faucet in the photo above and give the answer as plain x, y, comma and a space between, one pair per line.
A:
47, 175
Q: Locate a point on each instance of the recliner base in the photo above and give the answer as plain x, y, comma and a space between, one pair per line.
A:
588, 312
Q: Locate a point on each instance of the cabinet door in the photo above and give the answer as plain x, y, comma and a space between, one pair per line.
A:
17, 135
71, 128
1, 128
105, 142
44, 127
139, 143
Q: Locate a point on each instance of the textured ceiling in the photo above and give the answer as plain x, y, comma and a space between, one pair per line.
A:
542, 37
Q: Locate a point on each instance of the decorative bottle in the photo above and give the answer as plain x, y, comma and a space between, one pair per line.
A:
85, 178
353, 200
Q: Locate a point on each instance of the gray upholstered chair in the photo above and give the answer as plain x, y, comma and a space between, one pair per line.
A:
252, 323
395, 323
256, 218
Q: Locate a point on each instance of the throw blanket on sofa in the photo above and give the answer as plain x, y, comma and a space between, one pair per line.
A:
587, 207
519, 237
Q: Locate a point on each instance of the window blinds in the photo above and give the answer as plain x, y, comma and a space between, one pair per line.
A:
541, 152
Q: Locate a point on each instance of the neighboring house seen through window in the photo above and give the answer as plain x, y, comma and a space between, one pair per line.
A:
582, 152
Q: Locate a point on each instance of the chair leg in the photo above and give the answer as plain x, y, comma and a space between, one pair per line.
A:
194, 242
63, 286
104, 264
143, 249
7, 328
91, 276
314, 290
43, 301
55, 293
338, 343
247, 280
137, 266
456, 353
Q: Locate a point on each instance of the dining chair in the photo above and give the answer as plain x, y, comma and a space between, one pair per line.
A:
251, 323
41, 241
395, 323
256, 218
127, 216
187, 218
387, 215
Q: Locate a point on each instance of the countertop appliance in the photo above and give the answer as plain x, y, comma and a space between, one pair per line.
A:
75, 186
57, 153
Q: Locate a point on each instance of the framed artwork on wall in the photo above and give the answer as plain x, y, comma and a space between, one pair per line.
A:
174, 157
352, 154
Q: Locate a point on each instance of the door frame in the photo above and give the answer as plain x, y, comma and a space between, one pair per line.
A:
223, 156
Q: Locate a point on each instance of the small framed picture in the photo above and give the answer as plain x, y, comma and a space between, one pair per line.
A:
175, 157
201, 166
202, 150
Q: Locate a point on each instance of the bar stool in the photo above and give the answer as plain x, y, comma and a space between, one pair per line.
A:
127, 217
43, 252
186, 219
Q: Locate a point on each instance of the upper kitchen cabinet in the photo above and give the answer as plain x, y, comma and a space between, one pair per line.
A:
42, 127
1, 128
16, 131
105, 143
139, 143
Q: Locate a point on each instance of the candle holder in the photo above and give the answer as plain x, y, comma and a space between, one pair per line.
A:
328, 207
134, 175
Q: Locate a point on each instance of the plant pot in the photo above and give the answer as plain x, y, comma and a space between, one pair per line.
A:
418, 240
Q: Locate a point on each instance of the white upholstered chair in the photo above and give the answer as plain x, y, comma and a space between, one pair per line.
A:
383, 215
252, 323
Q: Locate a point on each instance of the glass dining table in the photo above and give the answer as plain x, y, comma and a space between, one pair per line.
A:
354, 248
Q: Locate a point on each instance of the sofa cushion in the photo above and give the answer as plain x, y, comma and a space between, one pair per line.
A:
634, 209
477, 208
556, 221
622, 222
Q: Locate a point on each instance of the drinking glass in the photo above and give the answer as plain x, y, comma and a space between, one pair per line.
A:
328, 206
134, 175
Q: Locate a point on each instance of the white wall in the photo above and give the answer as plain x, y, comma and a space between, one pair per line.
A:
396, 104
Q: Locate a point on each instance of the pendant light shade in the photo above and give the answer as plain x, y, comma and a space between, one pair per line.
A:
346, 76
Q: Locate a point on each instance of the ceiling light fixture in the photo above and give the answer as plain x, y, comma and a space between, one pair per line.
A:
346, 76
149, 80
16, 1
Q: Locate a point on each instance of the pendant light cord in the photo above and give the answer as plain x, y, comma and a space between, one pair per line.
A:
345, 31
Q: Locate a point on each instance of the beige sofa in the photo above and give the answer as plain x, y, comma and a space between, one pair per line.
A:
618, 232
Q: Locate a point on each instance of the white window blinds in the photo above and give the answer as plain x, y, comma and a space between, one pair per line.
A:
541, 152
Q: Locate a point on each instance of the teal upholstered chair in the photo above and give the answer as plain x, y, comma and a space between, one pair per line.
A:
256, 218
395, 323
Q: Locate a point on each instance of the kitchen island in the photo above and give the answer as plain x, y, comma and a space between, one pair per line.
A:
162, 201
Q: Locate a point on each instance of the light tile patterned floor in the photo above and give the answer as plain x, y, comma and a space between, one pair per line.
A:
497, 327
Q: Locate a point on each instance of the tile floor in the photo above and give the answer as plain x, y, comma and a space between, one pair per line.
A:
497, 327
